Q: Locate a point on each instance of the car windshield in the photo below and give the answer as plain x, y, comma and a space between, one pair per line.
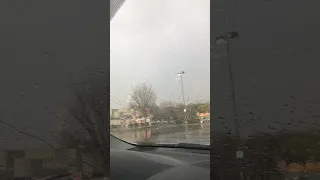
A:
52, 93
160, 72
265, 89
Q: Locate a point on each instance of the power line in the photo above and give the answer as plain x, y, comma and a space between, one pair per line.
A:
45, 142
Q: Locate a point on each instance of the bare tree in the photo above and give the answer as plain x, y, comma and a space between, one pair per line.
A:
169, 110
143, 98
91, 109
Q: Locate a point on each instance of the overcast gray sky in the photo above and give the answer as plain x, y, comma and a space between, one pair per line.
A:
153, 40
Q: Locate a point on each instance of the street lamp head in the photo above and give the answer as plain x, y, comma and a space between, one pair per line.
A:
233, 34
221, 39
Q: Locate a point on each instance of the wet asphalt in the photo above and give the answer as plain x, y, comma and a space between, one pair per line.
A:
163, 133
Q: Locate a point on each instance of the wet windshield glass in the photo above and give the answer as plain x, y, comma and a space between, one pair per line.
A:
265, 89
160, 74
53, 83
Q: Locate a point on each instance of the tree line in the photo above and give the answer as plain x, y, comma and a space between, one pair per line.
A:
168, 110
143, 99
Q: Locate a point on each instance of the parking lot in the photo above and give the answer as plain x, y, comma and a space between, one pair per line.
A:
166, 133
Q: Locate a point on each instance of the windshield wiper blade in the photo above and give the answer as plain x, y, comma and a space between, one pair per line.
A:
167, 145
174, 145
194, 146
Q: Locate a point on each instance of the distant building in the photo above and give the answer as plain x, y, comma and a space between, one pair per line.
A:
126, 117
296, 171
42, 162
122, 113
116, 122
204, 117
120, 117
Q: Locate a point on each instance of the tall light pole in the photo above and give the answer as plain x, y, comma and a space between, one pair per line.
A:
224, 39
182, 91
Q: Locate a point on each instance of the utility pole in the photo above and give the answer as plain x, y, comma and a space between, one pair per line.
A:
182, 91
225, 39
239, 154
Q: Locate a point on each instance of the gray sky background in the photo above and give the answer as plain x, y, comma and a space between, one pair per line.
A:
153, 40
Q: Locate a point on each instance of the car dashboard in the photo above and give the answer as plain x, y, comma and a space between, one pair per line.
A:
155, 163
